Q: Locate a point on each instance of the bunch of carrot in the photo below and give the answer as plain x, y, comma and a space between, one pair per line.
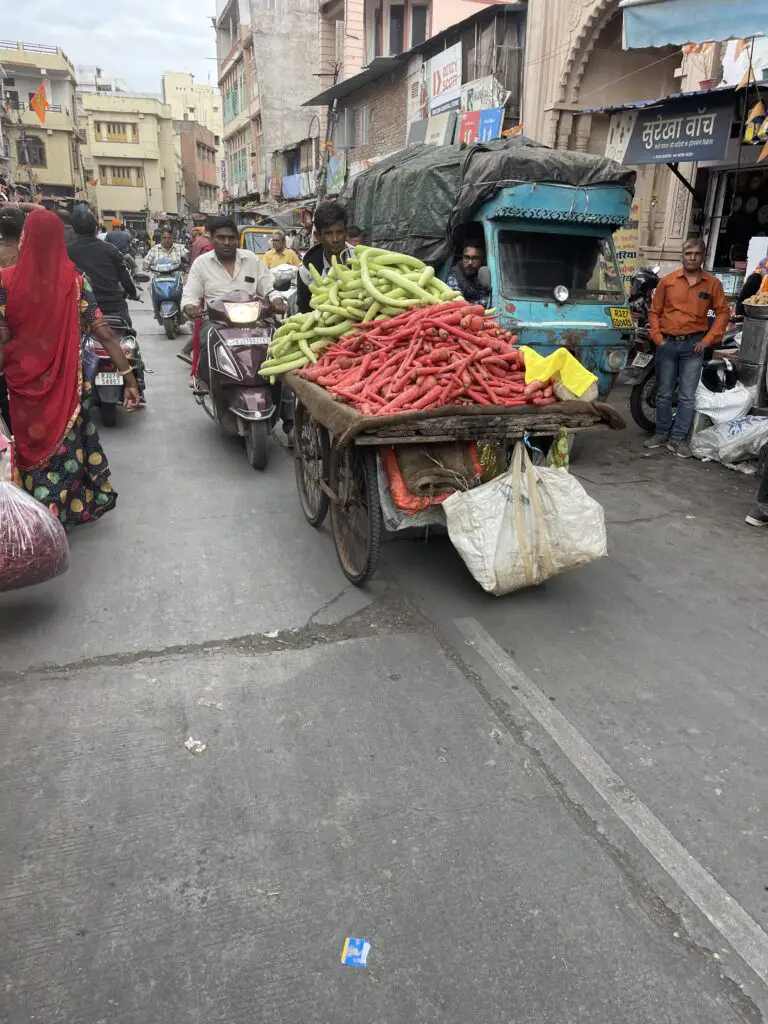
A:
427, 358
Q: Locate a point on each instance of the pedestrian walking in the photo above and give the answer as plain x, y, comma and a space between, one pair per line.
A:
680, 329
758, 515
45, 303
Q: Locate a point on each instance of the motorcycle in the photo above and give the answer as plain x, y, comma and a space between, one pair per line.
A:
235, 396
109, 386
166, 286
286, 282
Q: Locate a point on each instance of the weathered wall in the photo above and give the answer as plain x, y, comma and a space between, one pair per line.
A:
285, 52
386, 100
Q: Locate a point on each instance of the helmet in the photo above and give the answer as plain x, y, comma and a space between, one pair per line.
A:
719, 375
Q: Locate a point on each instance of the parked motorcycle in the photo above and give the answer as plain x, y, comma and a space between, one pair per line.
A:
109, 385
166, 286
235, 396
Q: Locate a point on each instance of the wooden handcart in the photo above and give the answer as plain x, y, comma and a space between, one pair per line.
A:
336, 466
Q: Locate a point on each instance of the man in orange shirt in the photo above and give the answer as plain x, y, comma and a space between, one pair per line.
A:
680, 330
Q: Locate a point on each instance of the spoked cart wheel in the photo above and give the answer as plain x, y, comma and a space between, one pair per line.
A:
356, 518
311, 456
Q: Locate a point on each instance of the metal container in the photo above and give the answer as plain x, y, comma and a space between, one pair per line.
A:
754, 337
754, 375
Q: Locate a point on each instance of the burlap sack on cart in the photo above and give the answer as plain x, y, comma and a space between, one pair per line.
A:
525, 526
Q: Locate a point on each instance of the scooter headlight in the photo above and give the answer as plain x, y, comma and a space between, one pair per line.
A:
226, 363
243, 312
561, 294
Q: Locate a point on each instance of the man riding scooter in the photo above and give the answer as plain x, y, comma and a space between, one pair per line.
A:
223, 270
166, 249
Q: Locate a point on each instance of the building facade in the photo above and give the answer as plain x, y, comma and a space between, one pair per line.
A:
129, 156
262, 47
201, 103
574, 66
198, 168
375, 112
42, 155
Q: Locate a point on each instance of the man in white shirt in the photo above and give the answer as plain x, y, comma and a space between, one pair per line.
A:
222, 270
225, 269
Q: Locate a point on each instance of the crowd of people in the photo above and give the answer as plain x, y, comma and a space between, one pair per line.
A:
62, 274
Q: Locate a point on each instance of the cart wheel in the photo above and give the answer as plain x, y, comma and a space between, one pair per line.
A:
311, 451
356, 520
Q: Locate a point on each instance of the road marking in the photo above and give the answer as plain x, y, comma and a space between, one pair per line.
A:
733, 922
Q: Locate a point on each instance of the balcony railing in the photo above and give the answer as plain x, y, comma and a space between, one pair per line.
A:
54, 108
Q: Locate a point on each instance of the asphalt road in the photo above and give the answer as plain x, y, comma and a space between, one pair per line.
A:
549, 807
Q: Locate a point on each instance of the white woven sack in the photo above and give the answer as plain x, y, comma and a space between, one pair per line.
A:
525, 526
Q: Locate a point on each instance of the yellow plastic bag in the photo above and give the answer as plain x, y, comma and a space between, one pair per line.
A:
560, 365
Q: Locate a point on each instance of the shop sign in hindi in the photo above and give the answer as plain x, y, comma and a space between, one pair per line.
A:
679, 131
626, 241
444, 80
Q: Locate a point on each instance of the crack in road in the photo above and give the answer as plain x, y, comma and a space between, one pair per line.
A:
387, 614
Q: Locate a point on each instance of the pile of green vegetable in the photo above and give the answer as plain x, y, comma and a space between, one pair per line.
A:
376, 284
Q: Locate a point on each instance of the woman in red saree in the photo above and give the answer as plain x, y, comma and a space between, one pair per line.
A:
45, 305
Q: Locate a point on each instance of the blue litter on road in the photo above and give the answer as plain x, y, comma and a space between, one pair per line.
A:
355, 952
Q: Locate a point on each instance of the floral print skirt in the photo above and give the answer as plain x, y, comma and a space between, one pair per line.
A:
74, 483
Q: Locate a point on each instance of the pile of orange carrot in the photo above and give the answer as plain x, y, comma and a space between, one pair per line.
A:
427, 358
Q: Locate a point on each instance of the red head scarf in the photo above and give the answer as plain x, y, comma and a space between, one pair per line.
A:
42, 359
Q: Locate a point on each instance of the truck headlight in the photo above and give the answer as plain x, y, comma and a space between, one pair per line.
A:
616, 359
561, 294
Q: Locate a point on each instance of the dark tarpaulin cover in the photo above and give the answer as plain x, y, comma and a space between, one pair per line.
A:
417, 199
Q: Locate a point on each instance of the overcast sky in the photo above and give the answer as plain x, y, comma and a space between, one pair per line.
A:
136, 41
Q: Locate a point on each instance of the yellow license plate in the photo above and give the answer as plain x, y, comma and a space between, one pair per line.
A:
621, 317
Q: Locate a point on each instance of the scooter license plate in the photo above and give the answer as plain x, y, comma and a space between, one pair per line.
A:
108, 379
642, 359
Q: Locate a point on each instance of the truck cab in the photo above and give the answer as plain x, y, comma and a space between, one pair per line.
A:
554, 275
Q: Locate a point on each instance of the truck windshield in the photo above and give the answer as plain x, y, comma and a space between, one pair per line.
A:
534, 263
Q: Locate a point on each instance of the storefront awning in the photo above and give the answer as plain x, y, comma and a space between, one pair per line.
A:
654, 23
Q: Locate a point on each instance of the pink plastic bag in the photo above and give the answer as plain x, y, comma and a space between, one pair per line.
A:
33, 544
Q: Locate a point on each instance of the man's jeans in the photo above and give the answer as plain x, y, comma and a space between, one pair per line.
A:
677, 365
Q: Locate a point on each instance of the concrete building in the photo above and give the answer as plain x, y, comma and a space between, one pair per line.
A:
201, 103
198, 167
265, 51
129, 156
45, 157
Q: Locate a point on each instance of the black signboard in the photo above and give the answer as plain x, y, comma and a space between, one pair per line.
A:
681, 131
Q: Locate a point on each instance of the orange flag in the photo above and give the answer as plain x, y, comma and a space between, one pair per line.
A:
39, 102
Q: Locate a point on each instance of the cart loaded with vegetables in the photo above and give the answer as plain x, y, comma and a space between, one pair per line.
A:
408, 396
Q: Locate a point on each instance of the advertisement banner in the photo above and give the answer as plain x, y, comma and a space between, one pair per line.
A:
490, 124
676, 131
444, 80
469, 128
440, 130
482, 94
626, 241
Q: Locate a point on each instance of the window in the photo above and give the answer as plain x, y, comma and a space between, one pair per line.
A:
419, 19
396, 27
11, 98
111, 174
534, 263
10, 81
31, 151
362, 126
116, 131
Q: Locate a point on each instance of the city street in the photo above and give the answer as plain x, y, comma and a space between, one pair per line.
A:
548, 808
